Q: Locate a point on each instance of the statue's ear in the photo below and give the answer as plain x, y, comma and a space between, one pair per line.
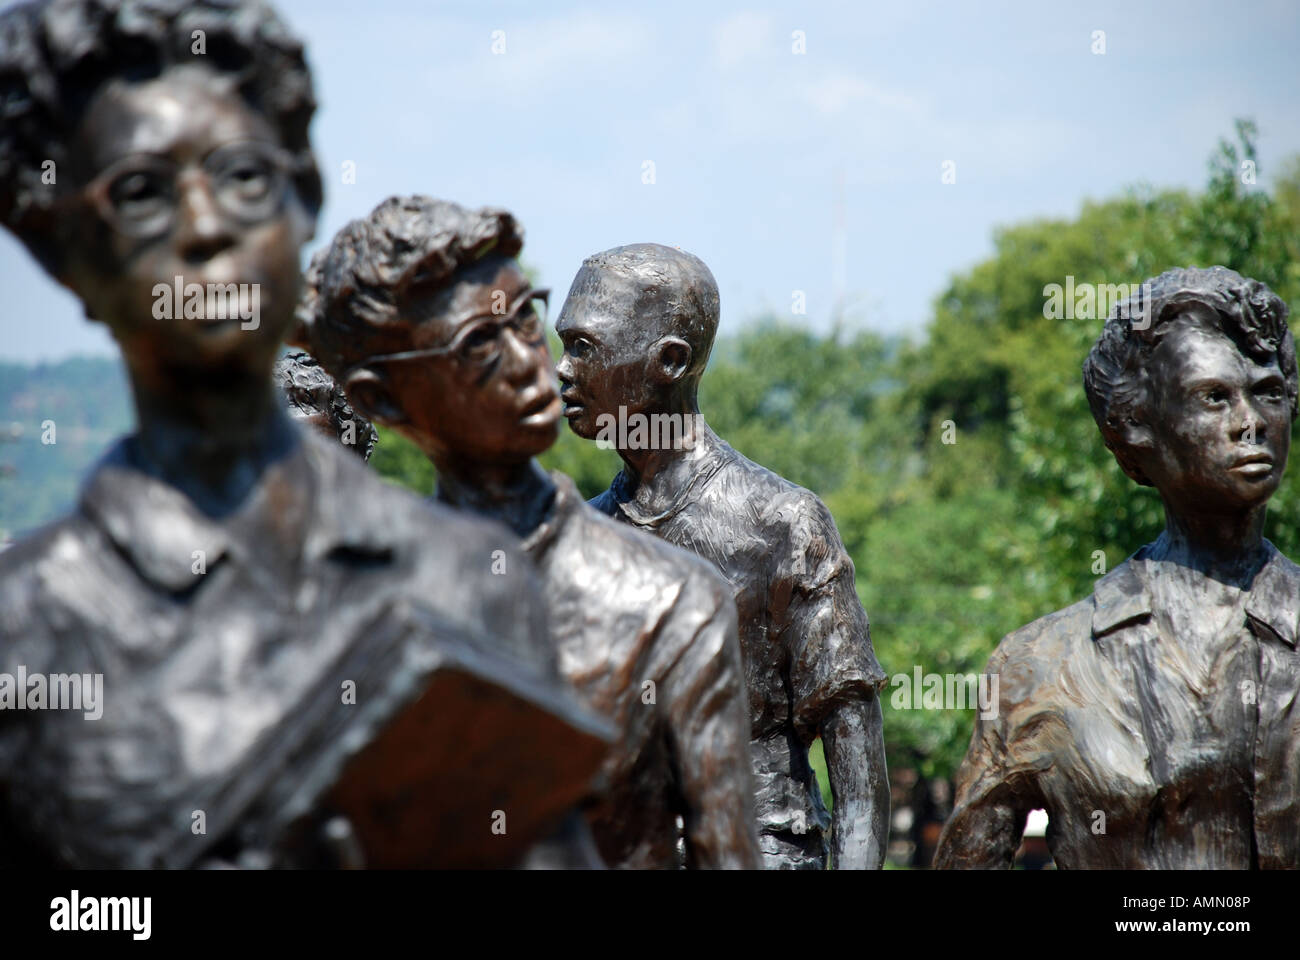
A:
371, 395
1132, 442
672, 358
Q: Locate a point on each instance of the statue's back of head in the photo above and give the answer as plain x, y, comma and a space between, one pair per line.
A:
367, 291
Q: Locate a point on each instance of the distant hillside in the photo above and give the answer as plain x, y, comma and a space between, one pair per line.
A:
89, 405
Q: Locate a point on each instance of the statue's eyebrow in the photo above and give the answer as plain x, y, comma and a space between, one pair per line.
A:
1268, 376
1196, 384
574, 331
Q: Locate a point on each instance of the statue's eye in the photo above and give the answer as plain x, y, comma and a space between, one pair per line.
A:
1217, 395
139, 194
480, 343
580, 348
528, 323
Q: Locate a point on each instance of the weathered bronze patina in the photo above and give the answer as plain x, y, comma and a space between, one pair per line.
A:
423, 313
256, 620
1157, 720
637, 329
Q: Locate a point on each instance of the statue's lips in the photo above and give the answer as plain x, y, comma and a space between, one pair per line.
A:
218, 280
572, 404
1256, 465
545, 408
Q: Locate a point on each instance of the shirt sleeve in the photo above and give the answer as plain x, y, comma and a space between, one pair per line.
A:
703, 693
994, 795
822, 624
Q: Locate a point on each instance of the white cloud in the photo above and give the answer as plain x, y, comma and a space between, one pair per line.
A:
543, 55
834, 90
740, 37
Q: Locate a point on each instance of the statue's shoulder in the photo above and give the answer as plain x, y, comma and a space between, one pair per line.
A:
21, 558
1033, 656
52, 556
398, 517
626, 551
1285, 568
780, 502
466, 569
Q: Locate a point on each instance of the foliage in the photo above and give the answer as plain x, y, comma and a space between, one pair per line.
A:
81, 404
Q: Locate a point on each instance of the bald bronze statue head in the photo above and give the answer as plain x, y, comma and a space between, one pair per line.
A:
637, 328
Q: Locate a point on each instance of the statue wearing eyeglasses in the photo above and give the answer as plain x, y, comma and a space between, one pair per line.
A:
242, 647
423, 314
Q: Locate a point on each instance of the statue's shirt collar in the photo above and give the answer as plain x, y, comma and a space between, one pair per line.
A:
564, 503
1124, 597
169, 540
710, 454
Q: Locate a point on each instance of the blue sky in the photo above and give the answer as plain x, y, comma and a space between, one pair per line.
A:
748, 138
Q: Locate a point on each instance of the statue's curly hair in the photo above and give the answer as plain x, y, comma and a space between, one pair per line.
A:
55, 54
1115, 375
356, 290
307, 387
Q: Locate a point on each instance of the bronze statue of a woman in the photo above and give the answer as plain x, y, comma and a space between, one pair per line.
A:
1157, 720
257, 608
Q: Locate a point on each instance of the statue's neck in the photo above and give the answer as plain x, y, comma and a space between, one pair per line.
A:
1225, 547
211, 440
657, 477
518, 495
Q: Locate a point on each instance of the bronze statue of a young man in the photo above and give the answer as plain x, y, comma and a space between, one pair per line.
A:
243, 607
1157, 720
637, 329
422, 312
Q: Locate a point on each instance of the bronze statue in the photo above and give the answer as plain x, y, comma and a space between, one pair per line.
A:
1157, 721
242, 647
422, 312
637, 328
316, 399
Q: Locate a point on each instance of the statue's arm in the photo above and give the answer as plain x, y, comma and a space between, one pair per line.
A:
704, 695
990, 806
855, 760
835, 679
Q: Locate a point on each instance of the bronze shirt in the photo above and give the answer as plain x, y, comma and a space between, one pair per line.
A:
1146, 748
647, 635
202, 670
803, 633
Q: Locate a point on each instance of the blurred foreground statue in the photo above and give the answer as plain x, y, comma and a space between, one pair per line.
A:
637, 329
242, 647
1157, 722
423, 314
